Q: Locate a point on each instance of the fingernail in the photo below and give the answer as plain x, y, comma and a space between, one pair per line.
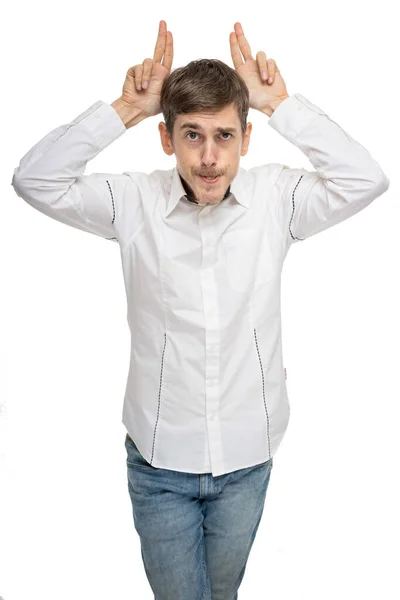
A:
270, 80
145, 84
264, 74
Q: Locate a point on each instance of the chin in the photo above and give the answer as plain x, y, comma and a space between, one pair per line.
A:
209, 201
208, 197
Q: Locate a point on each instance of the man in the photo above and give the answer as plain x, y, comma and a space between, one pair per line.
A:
202, 247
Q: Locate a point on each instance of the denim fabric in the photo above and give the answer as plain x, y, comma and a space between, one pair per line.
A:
196, 531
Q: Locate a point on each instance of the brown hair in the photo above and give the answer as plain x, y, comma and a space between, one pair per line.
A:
203, 85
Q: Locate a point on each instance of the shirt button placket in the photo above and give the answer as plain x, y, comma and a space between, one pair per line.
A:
212, 326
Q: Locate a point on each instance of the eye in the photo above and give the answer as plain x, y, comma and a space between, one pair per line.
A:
194, 133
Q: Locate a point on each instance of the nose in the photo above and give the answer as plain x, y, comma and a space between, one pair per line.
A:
209, 156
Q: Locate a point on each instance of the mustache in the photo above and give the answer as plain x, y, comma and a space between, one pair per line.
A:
209, 174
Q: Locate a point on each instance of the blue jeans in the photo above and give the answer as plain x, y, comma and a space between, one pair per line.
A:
196, 531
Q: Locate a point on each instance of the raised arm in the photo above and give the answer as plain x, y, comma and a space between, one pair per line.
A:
346, 177
50, 175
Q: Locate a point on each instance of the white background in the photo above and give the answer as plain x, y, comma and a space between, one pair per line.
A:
330, 527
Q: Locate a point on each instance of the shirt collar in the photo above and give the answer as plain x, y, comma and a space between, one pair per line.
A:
237, 190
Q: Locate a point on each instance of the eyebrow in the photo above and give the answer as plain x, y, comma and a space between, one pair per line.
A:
198, 127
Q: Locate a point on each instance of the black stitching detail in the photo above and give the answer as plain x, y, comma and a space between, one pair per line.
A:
114, 238
291, 218
112, 199
159, 394
266, 410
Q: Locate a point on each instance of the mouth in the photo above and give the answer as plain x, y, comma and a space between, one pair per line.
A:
209, 180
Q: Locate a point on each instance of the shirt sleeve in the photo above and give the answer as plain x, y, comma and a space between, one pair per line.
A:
346, 177
50, 176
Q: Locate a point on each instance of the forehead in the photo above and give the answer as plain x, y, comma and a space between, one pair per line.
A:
226, 117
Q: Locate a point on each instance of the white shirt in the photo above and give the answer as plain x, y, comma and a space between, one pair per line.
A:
206, 389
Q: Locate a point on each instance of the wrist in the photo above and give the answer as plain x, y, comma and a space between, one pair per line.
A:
272, 106
129, 115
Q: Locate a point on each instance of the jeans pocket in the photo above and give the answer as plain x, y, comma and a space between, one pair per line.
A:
134, 458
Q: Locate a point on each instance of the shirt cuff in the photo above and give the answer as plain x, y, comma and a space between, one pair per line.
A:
103, 122
293, 115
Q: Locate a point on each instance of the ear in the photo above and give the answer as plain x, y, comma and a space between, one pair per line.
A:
166, 141
246, 139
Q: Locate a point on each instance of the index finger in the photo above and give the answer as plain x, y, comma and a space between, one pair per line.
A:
242, 41
161, 42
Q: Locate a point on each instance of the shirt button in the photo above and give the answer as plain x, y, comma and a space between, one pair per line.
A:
212, 348
212, 417
207, 274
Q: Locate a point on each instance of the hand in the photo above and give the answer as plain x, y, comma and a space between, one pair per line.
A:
264, 96
135, 93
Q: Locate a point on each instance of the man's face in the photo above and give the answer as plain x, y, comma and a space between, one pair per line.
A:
208, 144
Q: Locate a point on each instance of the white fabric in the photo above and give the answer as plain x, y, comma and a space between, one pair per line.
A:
206, 389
